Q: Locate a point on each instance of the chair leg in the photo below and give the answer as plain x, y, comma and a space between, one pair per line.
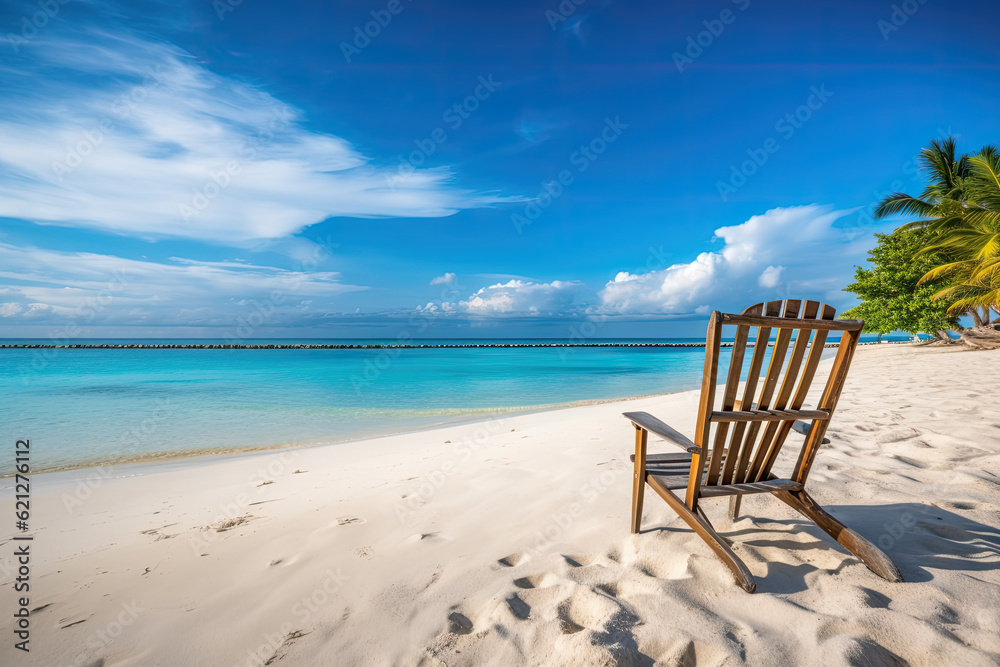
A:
734, 506
703, 527
638, 487
870, 555
638, 477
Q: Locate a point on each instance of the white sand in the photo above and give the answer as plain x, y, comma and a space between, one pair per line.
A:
517, 529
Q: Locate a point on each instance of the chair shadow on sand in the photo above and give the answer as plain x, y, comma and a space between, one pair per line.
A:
920, 538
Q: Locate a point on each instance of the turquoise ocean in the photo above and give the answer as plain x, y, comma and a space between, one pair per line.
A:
89, 406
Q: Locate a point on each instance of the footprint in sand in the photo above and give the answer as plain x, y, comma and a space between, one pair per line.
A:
610, 589
229, 524
874, 599
963, 506
897, 435
459, 624
567, 625
543, 580
425, 537
518, 607
578, 561
347, 520
513, 560
665, 567
586, 609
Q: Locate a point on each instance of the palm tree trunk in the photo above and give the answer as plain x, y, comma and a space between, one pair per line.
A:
977, 319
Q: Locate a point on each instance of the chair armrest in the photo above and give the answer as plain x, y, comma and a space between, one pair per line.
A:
802, 427
655, 426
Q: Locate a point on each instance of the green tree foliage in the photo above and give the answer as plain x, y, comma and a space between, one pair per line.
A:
960, 207
892, 298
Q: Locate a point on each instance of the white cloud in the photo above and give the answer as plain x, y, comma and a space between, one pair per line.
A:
786, 252
770, 277
446, 279
10, 309
89, 288
119, 133
517, 297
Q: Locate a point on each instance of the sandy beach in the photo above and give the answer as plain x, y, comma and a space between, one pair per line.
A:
507, 541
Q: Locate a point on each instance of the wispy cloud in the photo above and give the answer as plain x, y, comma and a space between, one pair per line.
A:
446, 279
44, 286
117, 132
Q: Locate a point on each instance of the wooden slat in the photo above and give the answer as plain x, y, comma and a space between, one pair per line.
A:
825, 312
639, 477
770, 383
776, 433
679, 481
750, 487
834, 385
679, 457
740, 448
657, 427
704, 423
768, 415
792, 323
815, 354
728, 399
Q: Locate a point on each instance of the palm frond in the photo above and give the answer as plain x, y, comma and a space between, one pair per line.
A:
898, 203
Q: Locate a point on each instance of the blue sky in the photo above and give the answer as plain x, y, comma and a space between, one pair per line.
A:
466, 169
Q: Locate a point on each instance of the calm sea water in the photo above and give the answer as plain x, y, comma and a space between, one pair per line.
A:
88, 406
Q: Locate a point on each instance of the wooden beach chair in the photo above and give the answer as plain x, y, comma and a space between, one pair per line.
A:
749, 431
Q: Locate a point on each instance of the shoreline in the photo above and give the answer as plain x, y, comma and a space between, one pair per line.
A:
461, 417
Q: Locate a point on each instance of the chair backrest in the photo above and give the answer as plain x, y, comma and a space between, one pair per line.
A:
751, 425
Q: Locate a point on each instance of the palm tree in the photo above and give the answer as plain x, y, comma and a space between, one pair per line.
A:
961, 208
